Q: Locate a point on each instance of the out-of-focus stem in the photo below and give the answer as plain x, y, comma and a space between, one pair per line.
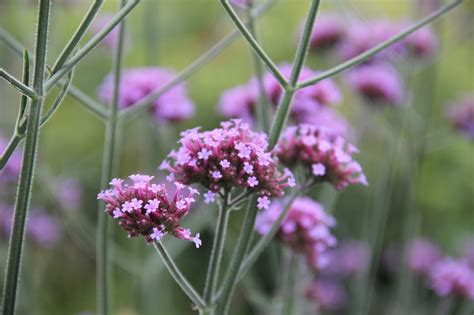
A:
111, 157
217, 251
25, 182
289, 285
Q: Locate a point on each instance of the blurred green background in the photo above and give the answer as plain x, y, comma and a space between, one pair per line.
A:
172, 33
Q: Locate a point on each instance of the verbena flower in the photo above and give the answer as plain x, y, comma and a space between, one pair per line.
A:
422, 255
328, 294
453, 277
143, 208
110, 41
240, 102
306, 228
232, 156
421, 44
462, 116
378, 83
328, 32
136, 83
331, 122
41, 228
325, 158
349, 258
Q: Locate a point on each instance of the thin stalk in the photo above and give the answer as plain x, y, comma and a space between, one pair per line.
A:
243, 242
17, 84
109, 168
217, 251
90, 104
179, 277
197, 64
262, 106
78, 34
254, 44
25, 182
284, 108
369, 53
289, 285
10, 148
57, 101
91, 44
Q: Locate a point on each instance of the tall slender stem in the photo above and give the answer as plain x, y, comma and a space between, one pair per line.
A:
289, 282
254, 44
262, 106
109, 167
369, 53
217, 251
28, 165
284, 108
17, 84
179, 277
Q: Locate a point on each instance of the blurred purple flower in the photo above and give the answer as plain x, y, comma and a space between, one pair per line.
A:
331, 122
462, 116
453, 277
468, 250
422, 255
240, 102
328, 294
13, 166
348, 259
328, 32
136, 83
378, 83
69, 193
243, 4
111, 40
421, 44
305, 229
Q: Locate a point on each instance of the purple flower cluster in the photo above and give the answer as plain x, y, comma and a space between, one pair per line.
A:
228, 157
143, 208
378, 83
349, 258
240, 102
306, 228
110, 41
136, 83
327, 159
42, 228
328, 32
462, 116
328, 294
422, 255
453, 277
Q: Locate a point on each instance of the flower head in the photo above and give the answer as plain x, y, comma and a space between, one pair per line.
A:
328, 32
328, 294
305, 229
422, 255
421, 44
349, 258
143, 208
326, 158
136, 83
240, 102
378, 83
462, 116
453, 277
232, 156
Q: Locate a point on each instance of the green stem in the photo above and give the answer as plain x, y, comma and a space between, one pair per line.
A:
109, 168
284, 108
58, 100
25, 90
197, 64
179, 277
90, 104
289, 285
230, 279
91, 44
369, 53
262, 106
217, 251
28, 165
254, 44
78, 34
7, 153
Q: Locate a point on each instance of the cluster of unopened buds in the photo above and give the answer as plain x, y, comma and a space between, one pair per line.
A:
232, 156
305, 229
326, 158
143, 208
